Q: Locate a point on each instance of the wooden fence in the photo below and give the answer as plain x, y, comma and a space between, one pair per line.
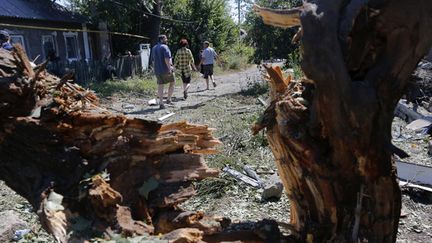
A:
98, 71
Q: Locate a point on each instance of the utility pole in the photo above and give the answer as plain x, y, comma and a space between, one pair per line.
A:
239, 17
239, 12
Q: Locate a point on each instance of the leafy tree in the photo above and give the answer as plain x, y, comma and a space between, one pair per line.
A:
270, 42
195, 20
131, 16
208, 20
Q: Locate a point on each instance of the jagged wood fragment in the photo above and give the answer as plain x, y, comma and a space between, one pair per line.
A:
74, 137
75, 161
330, 132
283, 18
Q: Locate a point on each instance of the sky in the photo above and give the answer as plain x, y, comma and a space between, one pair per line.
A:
234, 10
62, 2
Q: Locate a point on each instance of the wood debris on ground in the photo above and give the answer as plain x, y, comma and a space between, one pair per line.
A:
74, 161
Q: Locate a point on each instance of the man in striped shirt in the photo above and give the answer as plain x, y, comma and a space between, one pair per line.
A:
184, 63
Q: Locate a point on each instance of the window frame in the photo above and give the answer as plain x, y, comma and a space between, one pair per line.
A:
77, 49
22, 40
54, 41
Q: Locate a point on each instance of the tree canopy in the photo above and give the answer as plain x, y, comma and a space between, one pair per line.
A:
195, 20
269, 41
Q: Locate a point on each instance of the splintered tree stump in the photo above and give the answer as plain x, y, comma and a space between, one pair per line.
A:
330, 132
79, 164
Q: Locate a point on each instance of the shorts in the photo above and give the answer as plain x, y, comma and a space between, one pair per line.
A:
185, 79
165, 78
207, 70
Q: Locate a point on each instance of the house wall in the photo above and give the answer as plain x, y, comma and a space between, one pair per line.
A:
33, 37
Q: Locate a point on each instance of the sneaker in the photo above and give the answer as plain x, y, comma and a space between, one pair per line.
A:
185, 95
161, 106
214, 84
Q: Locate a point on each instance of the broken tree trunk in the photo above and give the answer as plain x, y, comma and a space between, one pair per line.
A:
86, 169
330, 132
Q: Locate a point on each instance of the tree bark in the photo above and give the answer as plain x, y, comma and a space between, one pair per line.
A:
59, 150
91, 173
87, 170
331, 131
155, 22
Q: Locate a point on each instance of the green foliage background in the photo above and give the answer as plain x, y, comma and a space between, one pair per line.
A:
203, 20
206, 20
270, 42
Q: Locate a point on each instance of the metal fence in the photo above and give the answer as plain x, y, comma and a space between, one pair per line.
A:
121, 67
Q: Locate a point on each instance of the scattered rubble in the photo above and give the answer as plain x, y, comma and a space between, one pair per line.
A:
166, 116
420, 90
19, 234
273, 188
430, 148
420, 125
241, 177
121, 175
411, 142
251, 173
10, 223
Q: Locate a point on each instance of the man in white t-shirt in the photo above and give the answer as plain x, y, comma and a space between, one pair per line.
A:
208, 58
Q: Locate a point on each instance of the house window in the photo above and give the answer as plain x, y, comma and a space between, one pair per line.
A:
17, 39
71, 41
49, 46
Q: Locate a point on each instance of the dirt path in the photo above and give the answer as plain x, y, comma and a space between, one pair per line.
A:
227, 84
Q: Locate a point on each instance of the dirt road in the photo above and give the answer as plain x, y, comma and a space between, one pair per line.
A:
227, 84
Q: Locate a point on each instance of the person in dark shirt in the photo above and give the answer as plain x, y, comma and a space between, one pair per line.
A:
5, 41
164, 71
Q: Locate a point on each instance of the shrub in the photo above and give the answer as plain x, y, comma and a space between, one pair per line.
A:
238, 56
293, 62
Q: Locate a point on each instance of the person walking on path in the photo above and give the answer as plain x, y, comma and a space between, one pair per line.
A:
162, 63
208, 58
5, 41
184, 63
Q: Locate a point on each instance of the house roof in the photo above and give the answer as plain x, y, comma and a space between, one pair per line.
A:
38, 10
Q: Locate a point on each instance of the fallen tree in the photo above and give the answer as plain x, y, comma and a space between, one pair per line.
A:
91, 173
330, 132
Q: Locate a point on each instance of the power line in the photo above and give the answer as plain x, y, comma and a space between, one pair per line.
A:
170, 19
155, 15
73, 30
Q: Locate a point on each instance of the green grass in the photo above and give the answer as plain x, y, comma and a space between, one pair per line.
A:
255, 88
133, 85
137, 85
240, 146
237, 57
293, 62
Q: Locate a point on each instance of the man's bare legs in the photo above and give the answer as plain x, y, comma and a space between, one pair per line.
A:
170, 91
207, 82
160, 95
211, 78
161, 92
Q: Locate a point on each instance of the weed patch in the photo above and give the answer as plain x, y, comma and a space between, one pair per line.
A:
237, 57
136, 85
293, 62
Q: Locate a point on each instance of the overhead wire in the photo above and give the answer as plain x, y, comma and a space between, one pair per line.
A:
72, 30
155, 15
